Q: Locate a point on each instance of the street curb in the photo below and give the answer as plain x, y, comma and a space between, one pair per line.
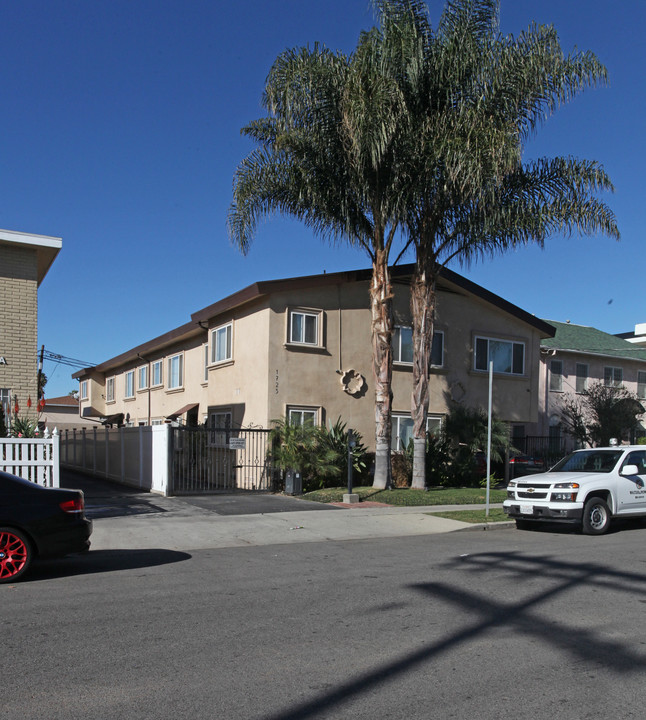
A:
504, 525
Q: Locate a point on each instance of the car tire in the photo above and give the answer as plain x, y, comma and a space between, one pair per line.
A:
596, 516
15, 554
524, 525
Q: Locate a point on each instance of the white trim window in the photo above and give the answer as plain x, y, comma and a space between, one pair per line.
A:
221, 344
402, 429
83, 394
129, 384
613, 377
219, 423
109, 389
302, 415
556, 376
582, 371
304, 327
403, 346
176, 371
157, 373
508, 357
142, 377
641, 384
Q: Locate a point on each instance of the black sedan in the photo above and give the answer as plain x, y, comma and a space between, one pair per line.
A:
38, 522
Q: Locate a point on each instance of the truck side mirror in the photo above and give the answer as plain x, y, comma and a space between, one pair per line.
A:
629, 470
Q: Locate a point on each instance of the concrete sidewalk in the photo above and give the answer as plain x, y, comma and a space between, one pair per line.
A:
125, 519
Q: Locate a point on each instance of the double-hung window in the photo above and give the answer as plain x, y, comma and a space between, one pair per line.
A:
556, 376
221, 345
403, 346
402, 429
302, 416
304, 327
156, 370
613, 376
641, 384
508, 357
581, 377
129, 384
109, 390
84, 390
142, 377
175, 372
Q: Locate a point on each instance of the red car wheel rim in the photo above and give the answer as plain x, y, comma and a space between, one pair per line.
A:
13, 554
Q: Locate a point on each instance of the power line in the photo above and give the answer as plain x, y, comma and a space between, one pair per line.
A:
63, 360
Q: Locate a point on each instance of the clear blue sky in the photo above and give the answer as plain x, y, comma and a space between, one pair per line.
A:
120, 134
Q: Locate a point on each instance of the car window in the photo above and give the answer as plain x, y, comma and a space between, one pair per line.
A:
602, 461
637, 457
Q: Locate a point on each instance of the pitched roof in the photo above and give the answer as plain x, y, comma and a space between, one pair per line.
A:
448, 279
583, 339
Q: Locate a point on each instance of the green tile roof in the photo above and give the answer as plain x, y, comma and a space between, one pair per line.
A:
590, 340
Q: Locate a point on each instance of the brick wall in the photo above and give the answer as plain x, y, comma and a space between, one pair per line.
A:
19, 325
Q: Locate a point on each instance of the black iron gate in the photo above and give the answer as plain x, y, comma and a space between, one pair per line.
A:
206, 460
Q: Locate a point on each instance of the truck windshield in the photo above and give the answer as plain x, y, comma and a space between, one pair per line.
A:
602, 461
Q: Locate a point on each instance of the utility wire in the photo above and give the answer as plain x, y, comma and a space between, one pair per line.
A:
62, 360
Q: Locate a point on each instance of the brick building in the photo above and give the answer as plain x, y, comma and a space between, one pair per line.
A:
24, 261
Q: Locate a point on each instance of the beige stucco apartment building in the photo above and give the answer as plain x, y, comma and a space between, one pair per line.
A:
24, 261
301, 348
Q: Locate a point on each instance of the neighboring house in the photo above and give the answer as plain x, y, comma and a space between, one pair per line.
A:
24, 262
301, 348
638, 337
62, 413
572, 360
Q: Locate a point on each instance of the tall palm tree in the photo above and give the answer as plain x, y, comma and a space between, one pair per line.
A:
472, 98
326, 155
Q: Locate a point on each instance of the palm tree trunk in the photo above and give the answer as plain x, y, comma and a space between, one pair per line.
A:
422, 303
382, 363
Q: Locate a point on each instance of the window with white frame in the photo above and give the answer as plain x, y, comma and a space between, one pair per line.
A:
5, 401
556, 376
206, 362
302, 415
109, 390
304, 327
157, 377
402, 429
129, 384
175, 371
641, 384
613, 376
403, 346
142, 377
508, 357
83, 389
221, 344
581, 377
219, 424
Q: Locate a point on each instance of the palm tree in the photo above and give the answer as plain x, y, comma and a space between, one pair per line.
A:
326, 155
472, 99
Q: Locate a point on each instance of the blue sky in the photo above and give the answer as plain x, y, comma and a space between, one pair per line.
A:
120, 133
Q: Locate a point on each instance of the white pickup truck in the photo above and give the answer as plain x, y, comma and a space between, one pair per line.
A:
588, 487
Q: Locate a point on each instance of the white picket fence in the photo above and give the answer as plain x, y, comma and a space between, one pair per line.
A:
34, 459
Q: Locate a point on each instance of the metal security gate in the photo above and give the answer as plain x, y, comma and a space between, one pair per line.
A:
208, 460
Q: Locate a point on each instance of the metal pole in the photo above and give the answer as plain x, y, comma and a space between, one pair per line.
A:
489, 436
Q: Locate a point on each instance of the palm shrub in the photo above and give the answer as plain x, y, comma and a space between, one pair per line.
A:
305, 448
466, 433
336, 437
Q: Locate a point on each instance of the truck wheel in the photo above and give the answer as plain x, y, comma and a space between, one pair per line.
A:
596, 517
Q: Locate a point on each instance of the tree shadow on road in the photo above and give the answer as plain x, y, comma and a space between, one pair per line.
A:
485, 613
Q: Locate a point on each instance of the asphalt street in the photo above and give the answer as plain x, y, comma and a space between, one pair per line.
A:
545, 624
